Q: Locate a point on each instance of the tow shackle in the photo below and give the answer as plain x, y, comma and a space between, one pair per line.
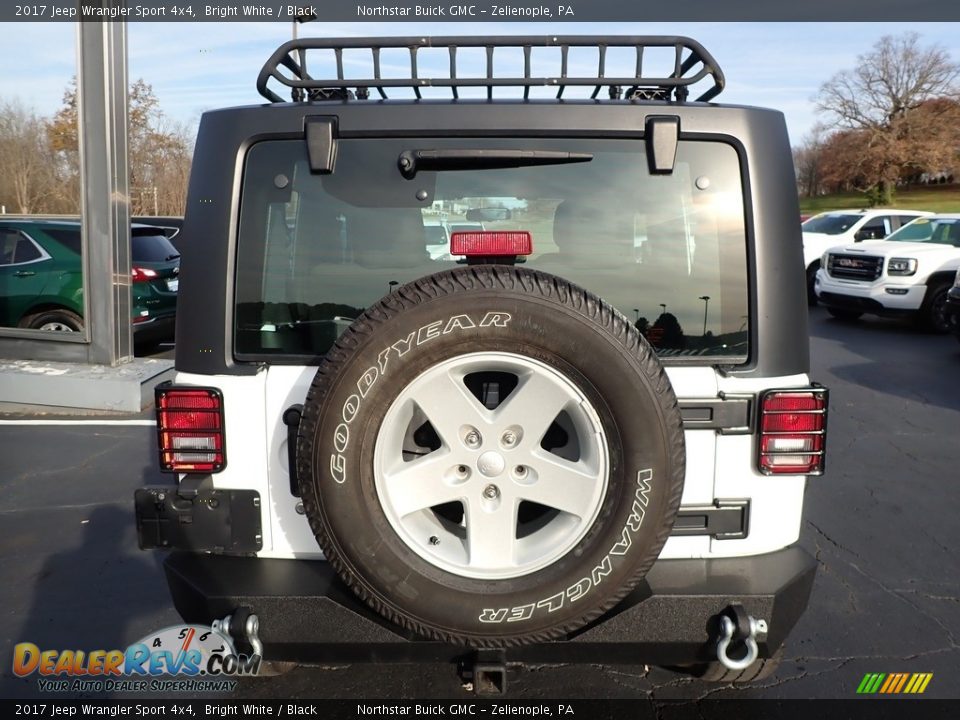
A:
737, 627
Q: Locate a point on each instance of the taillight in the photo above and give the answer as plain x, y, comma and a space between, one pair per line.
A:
139, 274
190, 429
491, 243
793, 425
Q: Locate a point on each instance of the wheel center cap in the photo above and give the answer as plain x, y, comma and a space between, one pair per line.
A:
491, 463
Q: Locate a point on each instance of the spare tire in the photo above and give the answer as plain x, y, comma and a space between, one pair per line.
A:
491, 456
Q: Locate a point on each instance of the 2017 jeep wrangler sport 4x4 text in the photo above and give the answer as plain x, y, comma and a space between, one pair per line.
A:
580, 431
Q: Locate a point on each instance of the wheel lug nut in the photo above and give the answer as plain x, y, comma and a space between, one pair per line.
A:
508, 439
491, 492
472, 439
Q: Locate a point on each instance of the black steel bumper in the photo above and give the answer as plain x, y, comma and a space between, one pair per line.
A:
307, 615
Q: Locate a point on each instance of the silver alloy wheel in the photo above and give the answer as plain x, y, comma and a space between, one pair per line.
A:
458, 502
56, 326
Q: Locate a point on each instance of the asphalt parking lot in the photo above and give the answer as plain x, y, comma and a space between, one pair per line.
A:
882, 523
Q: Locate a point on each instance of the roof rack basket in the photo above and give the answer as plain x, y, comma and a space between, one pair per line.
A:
691, 64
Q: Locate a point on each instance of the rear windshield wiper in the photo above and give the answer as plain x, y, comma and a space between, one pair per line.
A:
411, 162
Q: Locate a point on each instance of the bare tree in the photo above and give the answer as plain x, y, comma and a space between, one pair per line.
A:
159, 151
808, 162
26, 177
887, 101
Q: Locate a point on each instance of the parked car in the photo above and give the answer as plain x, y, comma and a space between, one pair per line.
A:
41, 284
438, 238
492, 454
828, 229
952, 309
907, 275
169, 224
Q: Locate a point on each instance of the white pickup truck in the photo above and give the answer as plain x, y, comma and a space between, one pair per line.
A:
908, 274
824, 231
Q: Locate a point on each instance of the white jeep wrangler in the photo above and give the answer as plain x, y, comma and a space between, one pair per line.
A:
906, 275
557, 442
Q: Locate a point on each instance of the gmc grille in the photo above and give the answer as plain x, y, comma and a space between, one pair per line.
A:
855, 267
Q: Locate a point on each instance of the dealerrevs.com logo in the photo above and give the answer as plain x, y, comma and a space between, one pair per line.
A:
199, 658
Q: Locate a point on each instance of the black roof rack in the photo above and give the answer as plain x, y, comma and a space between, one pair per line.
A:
691, 64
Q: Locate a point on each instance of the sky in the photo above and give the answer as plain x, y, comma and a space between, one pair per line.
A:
195, 67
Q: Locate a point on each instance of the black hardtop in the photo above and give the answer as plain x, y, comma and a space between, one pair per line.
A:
778, 327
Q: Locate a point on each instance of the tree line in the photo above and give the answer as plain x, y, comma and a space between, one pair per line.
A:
892, 120
40, 157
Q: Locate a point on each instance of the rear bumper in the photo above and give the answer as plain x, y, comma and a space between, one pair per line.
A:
158, 329
307, 615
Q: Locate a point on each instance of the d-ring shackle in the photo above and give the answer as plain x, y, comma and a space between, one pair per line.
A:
729, 628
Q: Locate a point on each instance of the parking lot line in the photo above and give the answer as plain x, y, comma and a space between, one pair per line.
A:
92, 421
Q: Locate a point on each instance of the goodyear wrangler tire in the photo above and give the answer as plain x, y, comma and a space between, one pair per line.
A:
491, 456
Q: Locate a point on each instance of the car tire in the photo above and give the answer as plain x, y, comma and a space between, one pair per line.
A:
811, 283
932, 313
429, 549
844, 314
57, 320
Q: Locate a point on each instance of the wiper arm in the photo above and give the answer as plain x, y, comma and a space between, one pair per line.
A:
411, 162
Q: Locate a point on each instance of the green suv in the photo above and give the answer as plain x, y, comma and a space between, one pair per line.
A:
41, 283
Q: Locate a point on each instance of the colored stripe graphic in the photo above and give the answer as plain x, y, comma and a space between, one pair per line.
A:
870, 683
894, 683
903, 679
890, 681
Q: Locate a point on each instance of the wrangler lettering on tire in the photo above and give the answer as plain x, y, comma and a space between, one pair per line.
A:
491, 456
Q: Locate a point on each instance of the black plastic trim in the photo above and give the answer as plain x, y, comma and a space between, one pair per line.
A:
217, 521
730, 415
291, 418
662, 135
724, 520
320, 134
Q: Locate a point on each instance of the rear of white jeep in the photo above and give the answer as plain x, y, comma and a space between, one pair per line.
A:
583, 432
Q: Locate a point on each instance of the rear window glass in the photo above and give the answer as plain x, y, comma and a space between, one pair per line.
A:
70, 239
669, 251
833, 224
152, 248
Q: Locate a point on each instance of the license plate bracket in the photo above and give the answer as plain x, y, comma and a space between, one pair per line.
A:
218, 521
